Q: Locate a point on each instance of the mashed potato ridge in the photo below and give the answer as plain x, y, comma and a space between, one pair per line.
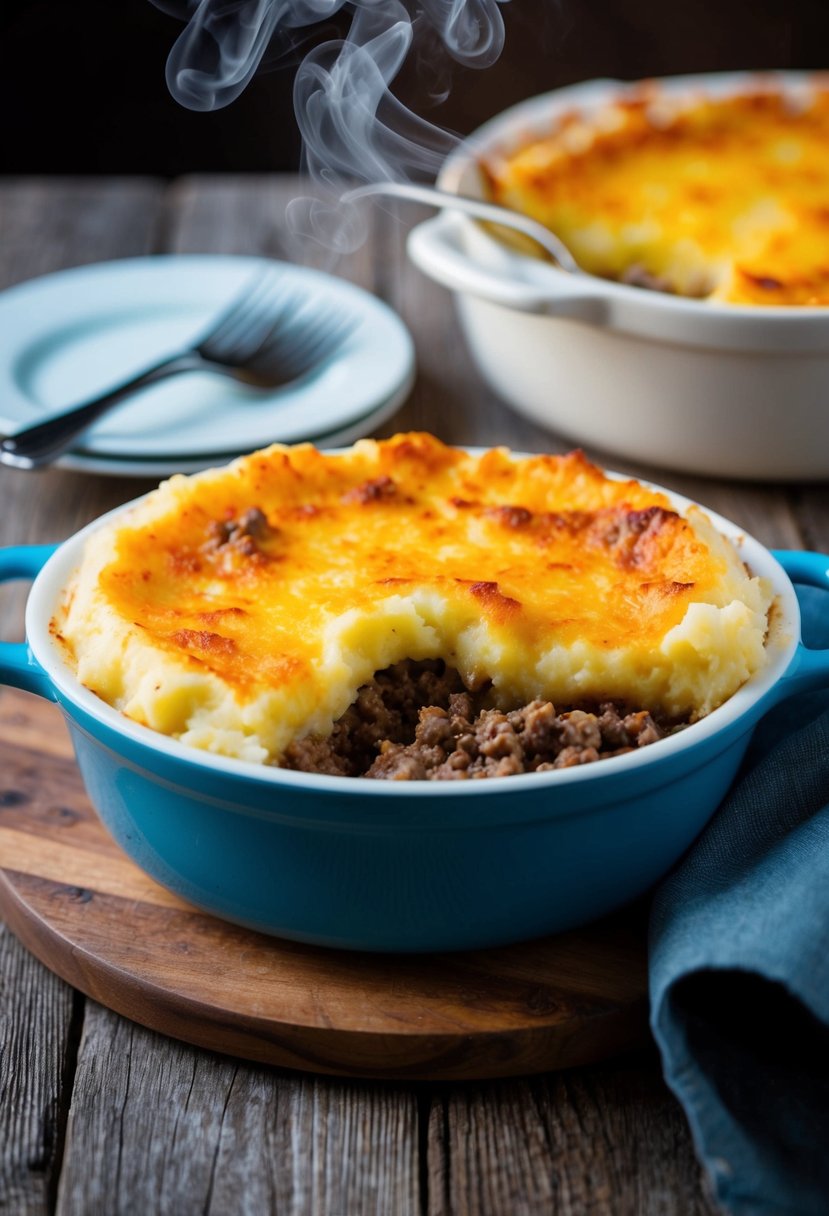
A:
242, 608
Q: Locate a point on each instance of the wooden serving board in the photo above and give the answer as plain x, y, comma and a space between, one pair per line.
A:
86, 911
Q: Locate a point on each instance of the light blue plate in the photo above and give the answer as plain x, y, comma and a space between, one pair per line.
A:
67, 336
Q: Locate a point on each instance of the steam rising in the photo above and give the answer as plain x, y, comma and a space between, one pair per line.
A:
353, 127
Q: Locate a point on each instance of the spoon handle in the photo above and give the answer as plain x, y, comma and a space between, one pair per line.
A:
479, 208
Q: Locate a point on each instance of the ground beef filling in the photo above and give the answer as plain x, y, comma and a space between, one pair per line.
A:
416, 721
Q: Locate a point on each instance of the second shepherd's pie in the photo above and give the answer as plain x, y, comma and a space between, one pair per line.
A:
248, 610
724, 198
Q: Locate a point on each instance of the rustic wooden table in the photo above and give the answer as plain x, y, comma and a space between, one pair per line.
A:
97, 1114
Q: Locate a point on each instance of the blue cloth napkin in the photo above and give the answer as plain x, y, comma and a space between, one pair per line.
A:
739, 967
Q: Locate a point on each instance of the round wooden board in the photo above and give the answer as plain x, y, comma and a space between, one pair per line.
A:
82, 907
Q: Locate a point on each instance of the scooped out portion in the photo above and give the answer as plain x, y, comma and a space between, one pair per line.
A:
416, 722
242, 610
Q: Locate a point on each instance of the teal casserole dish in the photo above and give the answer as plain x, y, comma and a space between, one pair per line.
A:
406, 866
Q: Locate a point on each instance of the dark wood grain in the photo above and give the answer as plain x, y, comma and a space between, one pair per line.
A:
192, 1133
811, 509
50, 225
36, 1046
597, 1142
197, 1133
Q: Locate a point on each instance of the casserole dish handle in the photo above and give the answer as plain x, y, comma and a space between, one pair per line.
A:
809, 668
18, 666
436, 247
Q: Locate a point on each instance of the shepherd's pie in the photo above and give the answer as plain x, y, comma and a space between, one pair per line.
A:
719, 197
242, 609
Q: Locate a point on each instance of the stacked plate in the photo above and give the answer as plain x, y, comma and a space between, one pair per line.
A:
69, 336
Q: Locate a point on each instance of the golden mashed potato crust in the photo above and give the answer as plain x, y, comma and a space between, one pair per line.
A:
242, 608
726, 198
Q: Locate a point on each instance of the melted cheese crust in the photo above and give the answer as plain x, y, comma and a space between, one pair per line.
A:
240, 632
722, 198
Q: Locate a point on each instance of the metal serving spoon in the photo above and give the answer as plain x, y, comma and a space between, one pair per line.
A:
493, 213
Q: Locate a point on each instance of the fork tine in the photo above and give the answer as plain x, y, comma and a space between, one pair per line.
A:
275, 331
290, 361
281, 329
222, 338
279, 317
317, 344
227, 319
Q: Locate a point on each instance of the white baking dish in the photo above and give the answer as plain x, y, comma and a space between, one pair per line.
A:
699, 386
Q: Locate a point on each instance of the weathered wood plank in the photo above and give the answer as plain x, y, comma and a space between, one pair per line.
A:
191, 1132
49, 224
603, 1141
811, 509
36, 1053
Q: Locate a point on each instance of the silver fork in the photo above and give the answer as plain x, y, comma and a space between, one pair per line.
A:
269, 336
